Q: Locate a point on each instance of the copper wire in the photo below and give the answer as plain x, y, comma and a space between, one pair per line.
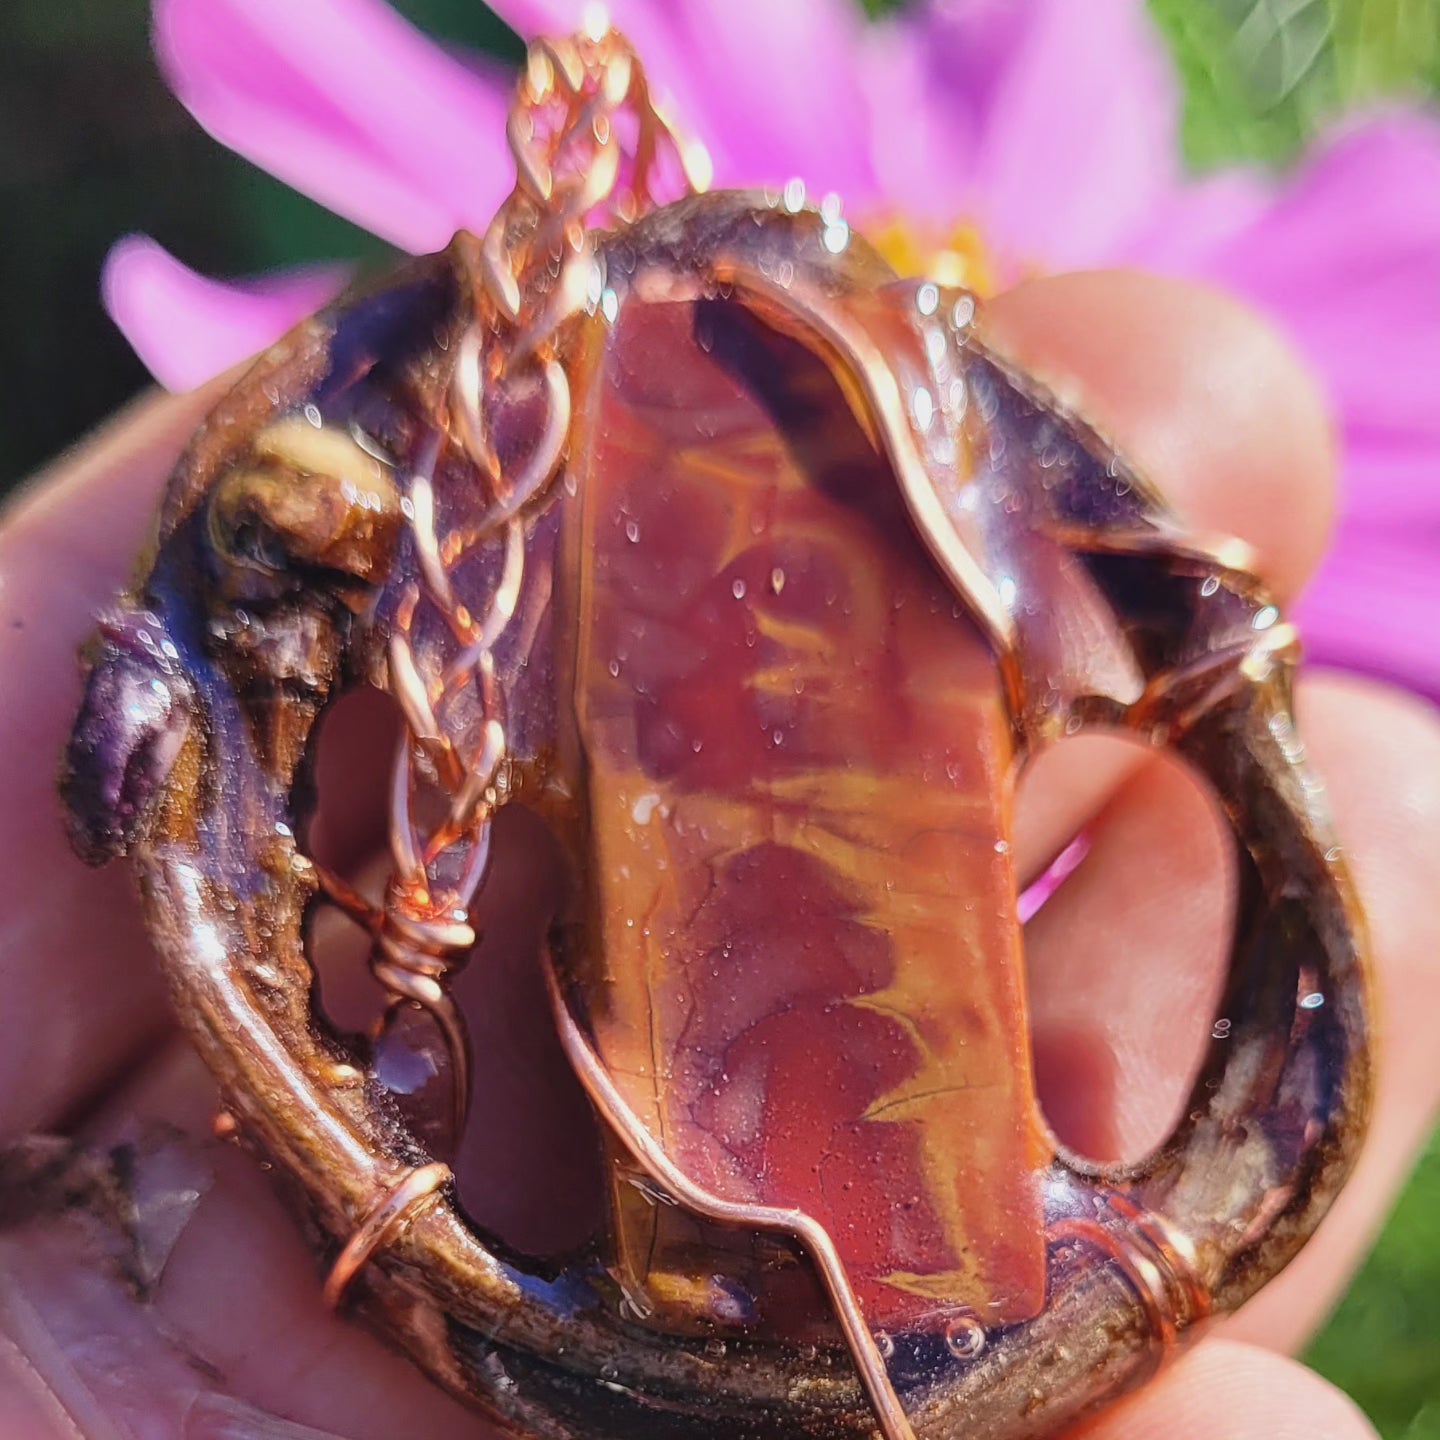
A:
1139, 1269
347, 899
541, 230
864, 1348
466, 411
1158, 1265
390, 1214
531, 278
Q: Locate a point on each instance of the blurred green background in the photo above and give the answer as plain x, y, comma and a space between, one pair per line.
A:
92, 145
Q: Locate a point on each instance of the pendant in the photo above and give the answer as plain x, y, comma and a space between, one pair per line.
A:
679, 521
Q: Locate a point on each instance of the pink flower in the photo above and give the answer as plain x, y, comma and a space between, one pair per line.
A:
1047, 127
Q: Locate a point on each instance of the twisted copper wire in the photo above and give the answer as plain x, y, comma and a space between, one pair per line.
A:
532, 272
1156, 1260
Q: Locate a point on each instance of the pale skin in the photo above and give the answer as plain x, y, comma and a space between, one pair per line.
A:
1196, 391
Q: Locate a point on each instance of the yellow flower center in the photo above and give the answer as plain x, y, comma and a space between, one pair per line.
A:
958, 256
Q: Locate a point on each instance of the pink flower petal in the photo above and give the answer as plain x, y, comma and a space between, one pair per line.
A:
784, 91
347, 103
1348, 261
1392, 481
188, 329
930, 79
1041, 890
1375, 608
1196, 220
1080, 134
770, 86
1050, 124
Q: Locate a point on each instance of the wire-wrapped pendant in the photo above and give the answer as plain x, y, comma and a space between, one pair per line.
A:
757, 575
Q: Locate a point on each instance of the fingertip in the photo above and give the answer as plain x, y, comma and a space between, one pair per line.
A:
1378, 750
1228, 1391
1401, 728
81, 988
1199, 392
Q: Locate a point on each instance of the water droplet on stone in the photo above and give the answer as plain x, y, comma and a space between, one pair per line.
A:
965, 1338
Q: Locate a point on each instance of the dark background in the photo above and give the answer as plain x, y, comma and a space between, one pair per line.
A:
92, 145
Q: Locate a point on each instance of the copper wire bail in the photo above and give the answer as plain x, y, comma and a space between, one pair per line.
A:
411, 959
420, 938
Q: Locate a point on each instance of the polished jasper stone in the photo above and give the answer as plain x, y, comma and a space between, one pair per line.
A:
800, 960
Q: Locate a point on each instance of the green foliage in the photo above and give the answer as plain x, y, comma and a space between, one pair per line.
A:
1386, 47
465, 22
1383, 1343
1426, 1425
1262, 76
1224, 120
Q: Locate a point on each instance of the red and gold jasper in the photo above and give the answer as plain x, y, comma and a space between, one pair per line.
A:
801, 960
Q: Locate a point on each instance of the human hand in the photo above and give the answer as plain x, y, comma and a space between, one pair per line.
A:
231, 1337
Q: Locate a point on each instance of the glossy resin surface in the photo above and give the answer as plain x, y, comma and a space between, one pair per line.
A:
801, 962
812, 572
